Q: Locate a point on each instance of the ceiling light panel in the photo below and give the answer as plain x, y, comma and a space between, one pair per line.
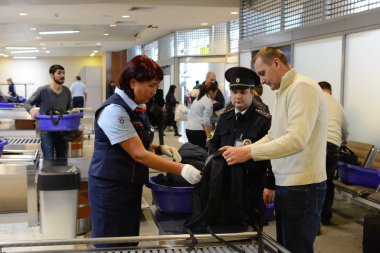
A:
25, 51
20, 48
24, 57
59, 32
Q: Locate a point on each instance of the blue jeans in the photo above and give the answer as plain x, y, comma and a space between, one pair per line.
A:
53, 143
298, 211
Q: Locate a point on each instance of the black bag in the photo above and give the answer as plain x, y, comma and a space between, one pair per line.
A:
220, 202
191, 154
371, 233
346, 155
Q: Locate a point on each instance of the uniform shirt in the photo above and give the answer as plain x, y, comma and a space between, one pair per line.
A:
12, 90
115, 121
46, 98
337, 130
296, 142
78, 89
200, 114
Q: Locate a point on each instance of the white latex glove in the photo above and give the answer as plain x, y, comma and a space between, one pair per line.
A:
170, 151
34, 111
191, 174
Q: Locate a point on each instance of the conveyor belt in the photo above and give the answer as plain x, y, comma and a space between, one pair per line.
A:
249, 246
23, 143
19, 141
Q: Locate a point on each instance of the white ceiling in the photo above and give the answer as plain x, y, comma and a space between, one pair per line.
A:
93, 18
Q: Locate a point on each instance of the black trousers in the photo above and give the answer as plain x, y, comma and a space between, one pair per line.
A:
331, 167
78, 102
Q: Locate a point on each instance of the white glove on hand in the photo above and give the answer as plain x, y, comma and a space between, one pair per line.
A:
172, 152
191, 174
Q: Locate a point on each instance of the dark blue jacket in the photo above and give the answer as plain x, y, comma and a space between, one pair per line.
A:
112, 161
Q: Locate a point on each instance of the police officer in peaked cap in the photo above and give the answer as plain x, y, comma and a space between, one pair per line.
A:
243, 125
241, 77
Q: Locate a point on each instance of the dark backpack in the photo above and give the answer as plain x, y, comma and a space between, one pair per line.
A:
220, 202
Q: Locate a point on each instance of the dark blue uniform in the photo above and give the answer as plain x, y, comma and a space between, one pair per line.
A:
116, 180
254, 126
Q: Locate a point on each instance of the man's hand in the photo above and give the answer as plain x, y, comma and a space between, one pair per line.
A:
234, 155
191, 174
34, 111
268, 196
170, 151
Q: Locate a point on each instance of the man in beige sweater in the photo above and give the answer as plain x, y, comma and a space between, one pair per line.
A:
296, 145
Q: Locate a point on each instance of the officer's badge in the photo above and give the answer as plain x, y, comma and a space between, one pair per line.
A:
237, 80
121, 120
247, 142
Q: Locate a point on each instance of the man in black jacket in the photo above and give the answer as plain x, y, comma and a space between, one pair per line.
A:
242, 125
218, 103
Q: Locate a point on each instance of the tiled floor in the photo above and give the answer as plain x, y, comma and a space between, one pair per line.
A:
344, 235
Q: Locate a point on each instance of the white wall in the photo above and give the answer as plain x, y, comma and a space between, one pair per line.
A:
245, 59
320, 60
362, 88
92, 77
37, 71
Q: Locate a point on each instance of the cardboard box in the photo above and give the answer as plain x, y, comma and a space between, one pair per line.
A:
24, 124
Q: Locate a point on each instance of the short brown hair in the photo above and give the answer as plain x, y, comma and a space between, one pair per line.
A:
267, 54
141, 68
259, 89
325, 85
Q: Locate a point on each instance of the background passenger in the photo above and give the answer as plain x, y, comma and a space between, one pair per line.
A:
11, 88
111, 88
79, 92
155, 117
337, 134
259, 103
52, 96
198, 125
170, 104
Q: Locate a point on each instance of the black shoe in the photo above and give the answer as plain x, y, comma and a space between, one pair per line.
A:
325, 222
177, 134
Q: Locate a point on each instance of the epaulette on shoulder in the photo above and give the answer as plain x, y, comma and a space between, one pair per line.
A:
225, 112
262, 113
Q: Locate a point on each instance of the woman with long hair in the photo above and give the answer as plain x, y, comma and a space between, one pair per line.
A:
198, 124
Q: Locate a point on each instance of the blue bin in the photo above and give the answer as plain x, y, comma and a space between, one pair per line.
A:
7, 105
2, 144
353, 174
171, 200
68, 122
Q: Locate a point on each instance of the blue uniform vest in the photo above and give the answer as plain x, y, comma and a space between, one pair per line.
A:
112, 161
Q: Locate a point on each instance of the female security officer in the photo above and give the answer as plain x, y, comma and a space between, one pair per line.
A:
119, 165
244, 125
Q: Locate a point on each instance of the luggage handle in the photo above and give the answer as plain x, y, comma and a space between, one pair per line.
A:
60, 115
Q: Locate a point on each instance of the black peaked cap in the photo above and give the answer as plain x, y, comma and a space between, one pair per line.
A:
240, 76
